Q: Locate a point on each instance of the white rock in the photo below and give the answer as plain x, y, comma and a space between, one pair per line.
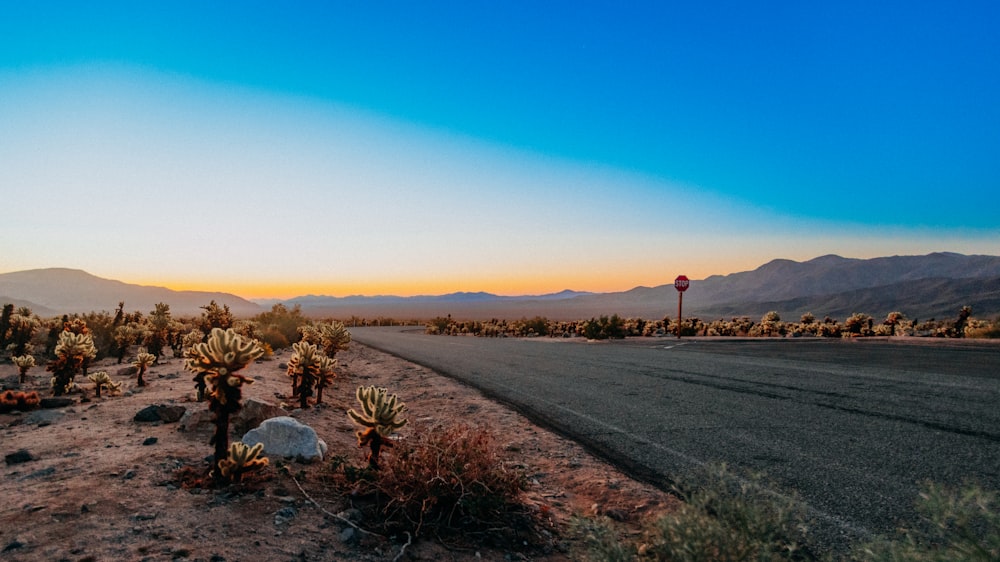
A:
287, 437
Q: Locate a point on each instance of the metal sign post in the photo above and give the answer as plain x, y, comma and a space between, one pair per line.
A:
681, 284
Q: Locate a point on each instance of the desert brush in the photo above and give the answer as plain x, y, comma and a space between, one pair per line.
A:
17, 400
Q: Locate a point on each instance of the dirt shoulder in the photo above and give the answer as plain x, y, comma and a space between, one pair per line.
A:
101, 486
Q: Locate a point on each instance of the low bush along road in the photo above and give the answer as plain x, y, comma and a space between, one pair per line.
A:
853, 428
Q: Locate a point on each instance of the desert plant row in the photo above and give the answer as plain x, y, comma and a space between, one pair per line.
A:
769, 325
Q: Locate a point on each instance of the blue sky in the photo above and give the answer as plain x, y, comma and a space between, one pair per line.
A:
520, 147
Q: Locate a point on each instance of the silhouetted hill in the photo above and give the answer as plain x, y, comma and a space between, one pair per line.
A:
934, 285
937, 284
62, 291
921, 299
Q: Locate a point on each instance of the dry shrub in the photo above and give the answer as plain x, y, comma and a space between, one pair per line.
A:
445, 481
11, 400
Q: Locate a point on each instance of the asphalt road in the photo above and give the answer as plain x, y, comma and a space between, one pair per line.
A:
852, 427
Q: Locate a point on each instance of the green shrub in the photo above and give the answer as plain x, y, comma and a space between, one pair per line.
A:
958, 526
723, 518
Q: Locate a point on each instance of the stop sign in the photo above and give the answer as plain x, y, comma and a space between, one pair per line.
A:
681, 283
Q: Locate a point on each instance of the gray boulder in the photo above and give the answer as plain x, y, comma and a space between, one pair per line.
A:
287, 437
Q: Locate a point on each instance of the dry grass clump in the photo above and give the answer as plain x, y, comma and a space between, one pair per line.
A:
445, 481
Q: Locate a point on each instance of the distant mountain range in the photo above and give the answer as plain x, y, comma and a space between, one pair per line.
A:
51, 292
935, 285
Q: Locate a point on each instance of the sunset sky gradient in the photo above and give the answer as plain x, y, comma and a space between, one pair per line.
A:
281, 149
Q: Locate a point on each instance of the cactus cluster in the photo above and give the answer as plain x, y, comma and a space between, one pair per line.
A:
23, 362
217, 363
309, 368
380, 414
73, 351
241, 460
20, 401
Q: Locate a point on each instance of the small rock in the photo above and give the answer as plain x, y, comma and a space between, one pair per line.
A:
284, 515
253, 413
127, 371
40, 473
347, 535
353, 515
18, 457
160, 412
129, 475
149, 441
194, 420
43, 418
55, 402
13, 545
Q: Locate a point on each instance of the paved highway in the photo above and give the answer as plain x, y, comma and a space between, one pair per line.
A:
852, 426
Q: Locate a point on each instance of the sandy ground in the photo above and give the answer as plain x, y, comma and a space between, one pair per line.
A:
101, 486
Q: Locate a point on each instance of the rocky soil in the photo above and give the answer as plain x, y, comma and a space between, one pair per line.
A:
88, 482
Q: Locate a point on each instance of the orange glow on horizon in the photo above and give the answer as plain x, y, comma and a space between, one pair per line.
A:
505, 287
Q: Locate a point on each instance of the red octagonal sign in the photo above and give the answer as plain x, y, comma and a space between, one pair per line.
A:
681, 283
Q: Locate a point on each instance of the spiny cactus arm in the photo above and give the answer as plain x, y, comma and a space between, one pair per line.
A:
360, 419
113, 387
100, 377
327, 373
24, 361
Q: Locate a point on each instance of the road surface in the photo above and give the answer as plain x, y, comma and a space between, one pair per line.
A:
853, 427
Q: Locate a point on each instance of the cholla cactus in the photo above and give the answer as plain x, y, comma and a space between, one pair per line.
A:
217, 362
326, 376
330, 337
334, 337
114, 388
241, 460
380, 413
304, 369
193, 338
72, 353
124, 336
100, 379
143, 360
23, 362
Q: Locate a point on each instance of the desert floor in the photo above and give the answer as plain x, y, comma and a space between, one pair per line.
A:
101, 486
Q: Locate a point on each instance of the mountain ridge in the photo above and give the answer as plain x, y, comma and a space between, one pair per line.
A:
936, 284
66, 290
